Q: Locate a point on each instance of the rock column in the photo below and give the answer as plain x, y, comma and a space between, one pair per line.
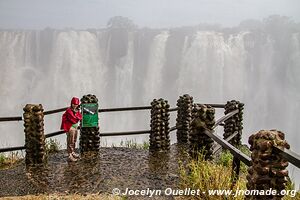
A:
184, 118
268, 169
203, 119
235, 123
89, 136
34, 134
159, 136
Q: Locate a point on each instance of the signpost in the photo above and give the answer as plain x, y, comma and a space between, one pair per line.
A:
89, 114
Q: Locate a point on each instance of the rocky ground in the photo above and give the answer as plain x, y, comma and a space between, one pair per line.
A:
113, 167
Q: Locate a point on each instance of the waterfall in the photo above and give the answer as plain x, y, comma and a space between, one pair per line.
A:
131, 68
153, 77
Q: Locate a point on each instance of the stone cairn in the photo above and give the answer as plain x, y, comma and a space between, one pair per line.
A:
89, 136
184, 118
203, 119
268, 169
235, 123
34, 134
159, 136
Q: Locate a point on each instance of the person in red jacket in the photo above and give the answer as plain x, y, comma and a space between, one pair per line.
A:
70, 121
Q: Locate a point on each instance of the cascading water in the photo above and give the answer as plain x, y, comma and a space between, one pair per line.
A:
153, 76
127, 68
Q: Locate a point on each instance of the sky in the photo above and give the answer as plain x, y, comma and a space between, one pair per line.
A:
82, 14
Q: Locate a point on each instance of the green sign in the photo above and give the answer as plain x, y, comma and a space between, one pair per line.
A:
89, 114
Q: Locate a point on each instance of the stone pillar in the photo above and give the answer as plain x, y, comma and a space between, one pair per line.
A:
184, 118
232, 125
268, 169
203, 119
235, 123
89, 140
159, 136
34, 134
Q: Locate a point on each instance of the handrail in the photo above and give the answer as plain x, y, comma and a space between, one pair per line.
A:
49, 112
55, 111
214, 105
225, 117
237, 153
173, 128
54, 134
173, 109
111, 133
218, 146
289, 155
125, 109
12, 149
125, 133
6, 119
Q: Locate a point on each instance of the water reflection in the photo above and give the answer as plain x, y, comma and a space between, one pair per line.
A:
101, 172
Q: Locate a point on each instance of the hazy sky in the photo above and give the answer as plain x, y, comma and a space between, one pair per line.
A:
81, 14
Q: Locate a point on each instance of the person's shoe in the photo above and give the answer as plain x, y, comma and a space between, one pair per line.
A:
71, 158
75, 155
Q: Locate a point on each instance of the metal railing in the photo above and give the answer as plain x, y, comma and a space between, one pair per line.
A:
289, 155
49, 112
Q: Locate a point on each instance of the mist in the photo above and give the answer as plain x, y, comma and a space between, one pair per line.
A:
129, 52
59, 14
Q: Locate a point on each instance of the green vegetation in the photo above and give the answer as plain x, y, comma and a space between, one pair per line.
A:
52, 146
226, 158
7, 161
207, 175
216, 175
129, 144
134, 145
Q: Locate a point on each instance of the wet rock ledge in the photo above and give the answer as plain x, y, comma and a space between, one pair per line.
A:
113, 167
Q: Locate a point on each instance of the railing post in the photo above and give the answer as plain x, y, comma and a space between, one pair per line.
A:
203, 119
268, 169
159, 135
34, 134
89, 140
232, 125
235, 123
184, 118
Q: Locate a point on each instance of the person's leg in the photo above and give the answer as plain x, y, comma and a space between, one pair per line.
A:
72, 138
75, 137
75, 140
69, 142
71, 145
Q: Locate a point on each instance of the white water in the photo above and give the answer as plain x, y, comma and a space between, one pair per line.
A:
49, 67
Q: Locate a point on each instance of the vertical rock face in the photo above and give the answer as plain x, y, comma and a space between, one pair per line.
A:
159, 136
34, 134
234, 123
268, 169
203, 119
89, 136
184, 118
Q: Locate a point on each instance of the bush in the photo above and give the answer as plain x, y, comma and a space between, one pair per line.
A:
207, 175
52, 146
10, 160
226, 158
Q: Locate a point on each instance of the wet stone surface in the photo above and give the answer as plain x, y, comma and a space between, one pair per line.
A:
113, 167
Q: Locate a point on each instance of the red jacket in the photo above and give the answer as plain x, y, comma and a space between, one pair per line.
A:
69, 118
